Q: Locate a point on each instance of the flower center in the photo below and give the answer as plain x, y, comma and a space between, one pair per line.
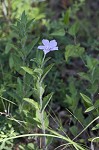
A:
47, 48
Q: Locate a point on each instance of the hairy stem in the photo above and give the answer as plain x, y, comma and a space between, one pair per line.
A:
44, 141
42, 122
43, 131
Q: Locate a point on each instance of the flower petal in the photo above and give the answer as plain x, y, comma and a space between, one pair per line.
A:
45, 42
46, 51
41, 47
48, 46
53, 43
54, 48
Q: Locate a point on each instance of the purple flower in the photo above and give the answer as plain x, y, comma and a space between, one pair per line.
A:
48, 46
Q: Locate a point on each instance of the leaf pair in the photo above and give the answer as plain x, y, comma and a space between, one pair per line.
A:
36, 105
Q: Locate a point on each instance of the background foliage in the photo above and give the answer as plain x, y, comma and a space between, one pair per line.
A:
74, 79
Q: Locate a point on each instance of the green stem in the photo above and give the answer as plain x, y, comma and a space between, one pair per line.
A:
43, 130
42, 121
42, 112
47, 135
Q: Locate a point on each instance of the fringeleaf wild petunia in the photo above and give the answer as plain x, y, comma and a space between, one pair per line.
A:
48, 46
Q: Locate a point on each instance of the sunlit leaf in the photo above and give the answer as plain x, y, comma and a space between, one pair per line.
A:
96, 127
46, 100
86, 99
31, 101
60, 32
28, 70
90, 109
73, 51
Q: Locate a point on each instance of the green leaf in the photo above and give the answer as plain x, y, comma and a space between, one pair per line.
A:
31, 46
38, 117
60, 32
96, 139
31, 101
46, 60
96, 104
38, 71
46, 120
11, 61
73, 51
47, 69
14, 28
36, 93
2, 145
84, 76
46, 100
28, 70
96, 127
15, 96
91, 62
68, 100
17, 63
29, 23
66, 17
90, 109
74, 130
30, 146
39, 120
74, 29
86, 99
79, 115
23, 17
8, 48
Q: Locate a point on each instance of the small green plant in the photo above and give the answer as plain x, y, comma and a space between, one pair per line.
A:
38, 74
29, 111
7, 130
